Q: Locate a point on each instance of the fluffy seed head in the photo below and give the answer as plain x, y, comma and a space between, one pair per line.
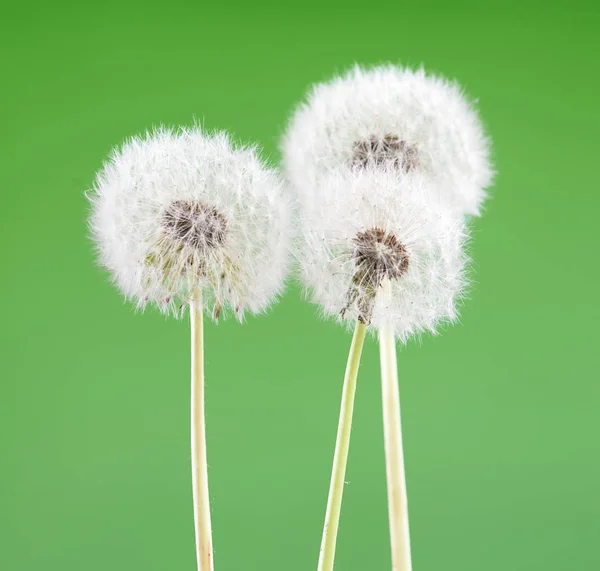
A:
368, 226
391, 118
179, 211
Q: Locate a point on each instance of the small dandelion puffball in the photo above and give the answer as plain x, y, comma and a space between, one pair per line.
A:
178, 212
355, 238
391, 118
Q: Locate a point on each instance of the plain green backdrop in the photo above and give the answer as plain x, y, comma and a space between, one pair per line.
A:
500, 412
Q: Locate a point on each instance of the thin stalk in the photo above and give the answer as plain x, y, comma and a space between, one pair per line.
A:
336, 487
394, 457
204, 551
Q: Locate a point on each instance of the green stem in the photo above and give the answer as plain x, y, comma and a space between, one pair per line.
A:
204, 551
394, 457
336, 488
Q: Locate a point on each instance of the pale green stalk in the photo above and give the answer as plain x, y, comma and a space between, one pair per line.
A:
396, 480
204, 550
336, 487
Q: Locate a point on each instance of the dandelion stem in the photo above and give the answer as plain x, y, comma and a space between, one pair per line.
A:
336, 487
396, 480
204, 552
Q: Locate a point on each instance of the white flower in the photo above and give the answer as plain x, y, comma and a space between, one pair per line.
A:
178, 211
391, 117
366, 227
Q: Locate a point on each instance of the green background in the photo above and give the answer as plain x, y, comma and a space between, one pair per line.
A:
500, 412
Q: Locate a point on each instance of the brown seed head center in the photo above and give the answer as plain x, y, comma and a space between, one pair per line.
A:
196, 224
385, 150
378, 254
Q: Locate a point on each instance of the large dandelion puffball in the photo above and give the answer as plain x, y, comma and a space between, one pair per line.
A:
178, 212
395, 118
367, 228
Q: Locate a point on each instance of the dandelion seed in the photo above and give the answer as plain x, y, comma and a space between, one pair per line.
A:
180, 211
369, 227
390, 117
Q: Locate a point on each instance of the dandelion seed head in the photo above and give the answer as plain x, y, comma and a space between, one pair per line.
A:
391, 118
180, 211
368, 226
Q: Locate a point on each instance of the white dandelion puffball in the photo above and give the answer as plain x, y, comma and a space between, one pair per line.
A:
367, 228
391, 117
176, 212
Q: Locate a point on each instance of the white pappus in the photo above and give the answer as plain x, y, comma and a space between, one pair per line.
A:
181, 211
389, 116
368, 226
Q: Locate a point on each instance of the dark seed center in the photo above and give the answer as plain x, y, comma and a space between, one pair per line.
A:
377, 255
384, 150
194, 223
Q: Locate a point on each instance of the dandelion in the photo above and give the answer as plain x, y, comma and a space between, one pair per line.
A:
385, 163
369, 228
391, 117
182, 218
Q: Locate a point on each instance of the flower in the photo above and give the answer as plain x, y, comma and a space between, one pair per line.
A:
177, 212
391, 117
367, 227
